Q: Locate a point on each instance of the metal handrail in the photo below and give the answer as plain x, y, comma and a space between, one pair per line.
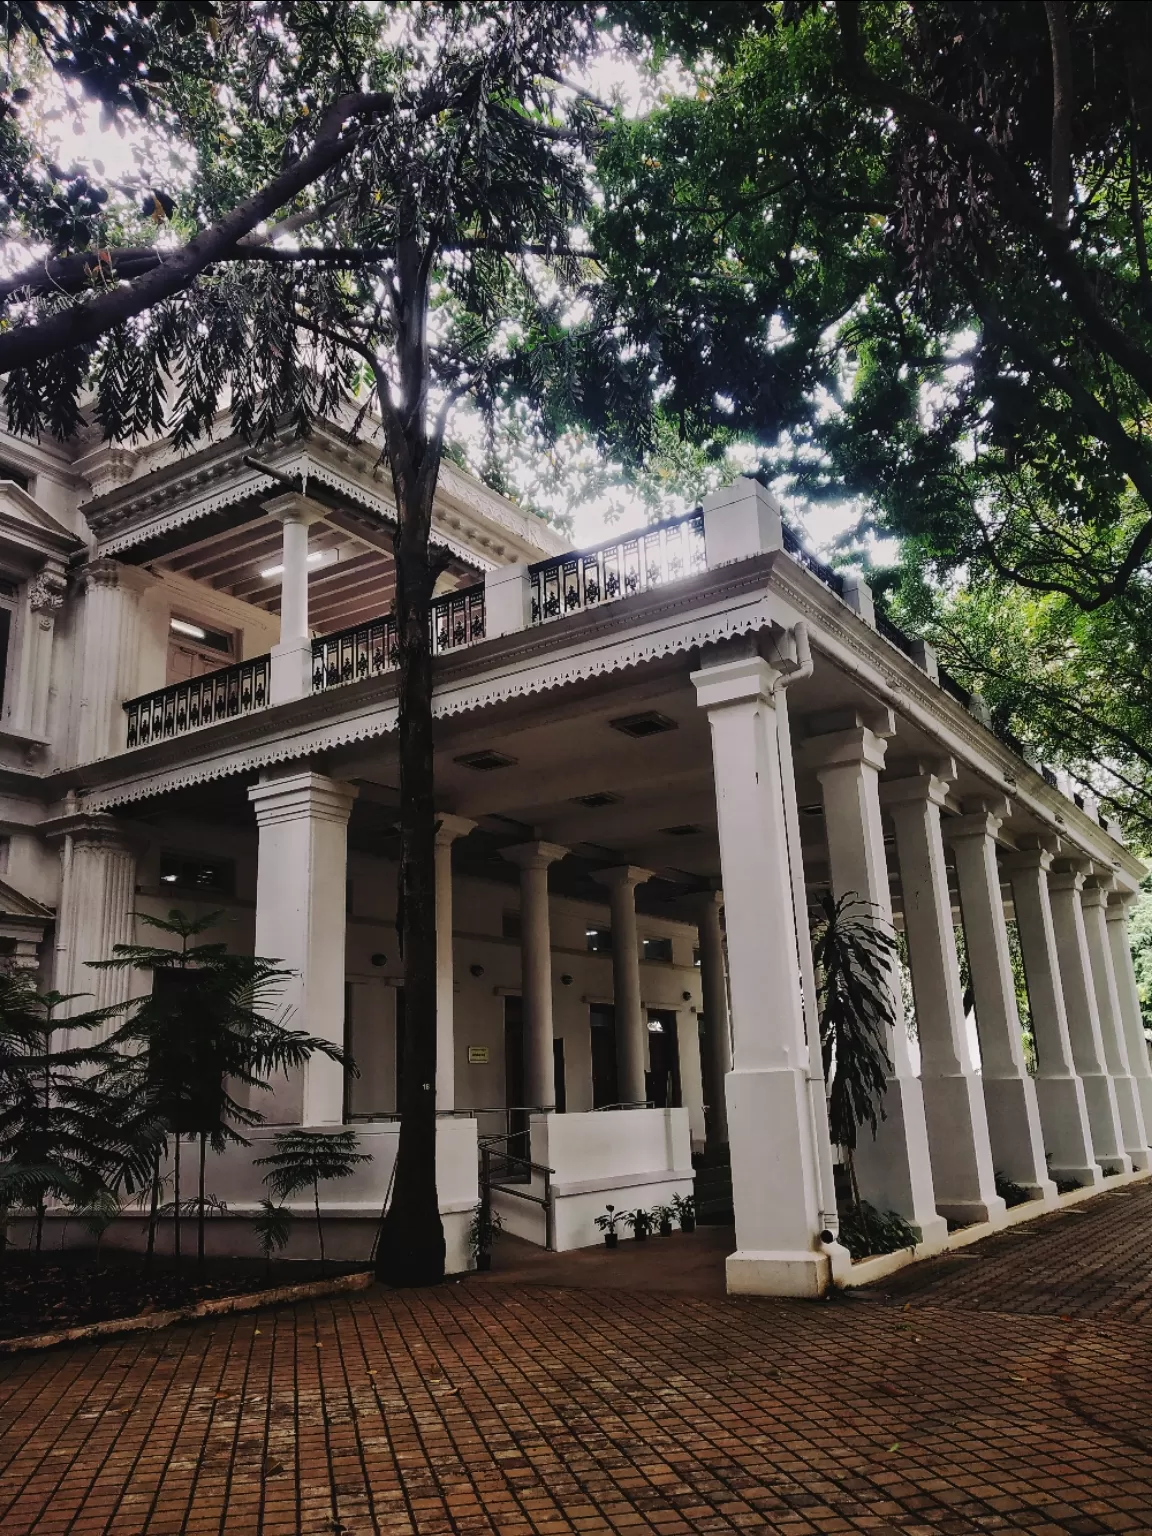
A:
488, 1184
625, 1104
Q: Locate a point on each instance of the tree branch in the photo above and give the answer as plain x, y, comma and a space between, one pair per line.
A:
1057, 13
176, 270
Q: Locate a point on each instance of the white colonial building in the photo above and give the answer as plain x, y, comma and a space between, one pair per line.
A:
650, 756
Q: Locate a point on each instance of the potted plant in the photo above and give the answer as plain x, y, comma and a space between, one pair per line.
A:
662, 1219
485, 1225
684, 1209
640, 1222
607, 1224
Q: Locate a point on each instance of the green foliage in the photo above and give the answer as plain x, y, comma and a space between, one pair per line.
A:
273, 1227
639, 1222
1010, 1192
611, 1218
485, 1225
305, 1160
865, 1231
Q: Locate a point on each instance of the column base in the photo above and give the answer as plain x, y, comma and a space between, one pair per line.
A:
1132, 1123
1015, 1135
958, 1141
749, 1273
290, 674
1064, 1124
1104, 1120
1089, 1177
894, 1171
774, 1194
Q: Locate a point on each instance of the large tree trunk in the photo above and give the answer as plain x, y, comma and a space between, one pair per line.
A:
411, 1246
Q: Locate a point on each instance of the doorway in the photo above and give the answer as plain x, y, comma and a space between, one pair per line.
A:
662, 1080
602, 1020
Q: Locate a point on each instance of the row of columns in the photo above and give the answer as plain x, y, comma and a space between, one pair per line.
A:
948, 1131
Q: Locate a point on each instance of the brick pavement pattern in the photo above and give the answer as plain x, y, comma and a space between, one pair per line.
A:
935, 1405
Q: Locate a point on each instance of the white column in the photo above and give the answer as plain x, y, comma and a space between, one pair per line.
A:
1094, 903
448, 830
97, 909
1064, 888
631, 1025
109, 656
301, 884
1125, 973
1059, 1091
962, 1169
717, 1057
1009, 1092
43, 600
291, 669
536, 969
894, 1170
775, 1181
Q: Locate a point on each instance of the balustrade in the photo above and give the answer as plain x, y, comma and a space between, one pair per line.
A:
237, 690
639, 561
366, 650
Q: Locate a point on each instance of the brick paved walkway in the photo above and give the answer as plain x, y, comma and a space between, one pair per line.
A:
934, 1407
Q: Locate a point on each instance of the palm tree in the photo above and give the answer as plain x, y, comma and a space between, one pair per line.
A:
56, 1141
204, 1036
853, 954
307, 1159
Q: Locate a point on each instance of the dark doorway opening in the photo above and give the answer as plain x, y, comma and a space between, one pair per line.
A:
602, 1018
401, 1020
518, 1142
559, 1088
663, 1075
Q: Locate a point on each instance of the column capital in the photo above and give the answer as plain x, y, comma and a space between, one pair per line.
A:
1066, 880
859, 744
533, 855
1095, 894
104, 571
620, 875
975, 824
1030, 858
746, 680
94, 828
449, 828
295, 507
1120, 905
707, 901
921, 788
299, 796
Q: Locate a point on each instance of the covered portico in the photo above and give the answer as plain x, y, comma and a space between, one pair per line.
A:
721, 745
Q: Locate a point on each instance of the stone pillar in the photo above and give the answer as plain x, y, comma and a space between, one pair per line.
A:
775, 1182
1059, 1091
894, 1170
44, 598
1129, 994
448, 830
109, 657
631, 1025
536, 969
962, 1169
1094, 903
1009, 1092
97, 909
717, 1036
301, 883
291, 669
1064, 888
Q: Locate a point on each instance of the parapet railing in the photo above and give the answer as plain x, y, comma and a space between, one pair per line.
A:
636, 562
241, 689
366, 650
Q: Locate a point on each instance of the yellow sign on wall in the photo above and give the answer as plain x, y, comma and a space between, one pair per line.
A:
477, 1055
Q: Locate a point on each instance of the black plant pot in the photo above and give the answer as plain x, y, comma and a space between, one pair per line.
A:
641, 1236
483, 1261
665, 1229
611, 1239
687, 1223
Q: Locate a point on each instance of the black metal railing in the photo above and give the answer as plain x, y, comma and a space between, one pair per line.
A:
173, 711
365, 650
498, 1169
823, 572
650, 557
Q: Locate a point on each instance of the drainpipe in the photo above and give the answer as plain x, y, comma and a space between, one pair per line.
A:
796, 672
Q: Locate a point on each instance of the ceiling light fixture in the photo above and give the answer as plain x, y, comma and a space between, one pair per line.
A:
317, 557
182, 627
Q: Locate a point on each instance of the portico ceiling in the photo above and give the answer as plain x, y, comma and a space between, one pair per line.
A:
353, 577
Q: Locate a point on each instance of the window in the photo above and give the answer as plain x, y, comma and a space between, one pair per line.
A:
599, 940
657, 949
17, 476
194, 649
696, 958
510, 924
187, 872
9, 592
